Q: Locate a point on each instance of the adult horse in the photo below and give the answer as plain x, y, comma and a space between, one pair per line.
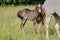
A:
52, 7
36, 16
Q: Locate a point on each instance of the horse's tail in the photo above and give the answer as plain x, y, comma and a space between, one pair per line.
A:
19, 14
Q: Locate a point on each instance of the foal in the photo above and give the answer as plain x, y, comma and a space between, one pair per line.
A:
36, 16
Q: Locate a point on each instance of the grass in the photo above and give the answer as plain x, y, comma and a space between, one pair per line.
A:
10, 30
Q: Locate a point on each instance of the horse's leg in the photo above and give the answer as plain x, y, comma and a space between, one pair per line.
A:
34, 23
22, 25
47, 24
57, 26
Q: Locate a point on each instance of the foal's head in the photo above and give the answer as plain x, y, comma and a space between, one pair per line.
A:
39, 7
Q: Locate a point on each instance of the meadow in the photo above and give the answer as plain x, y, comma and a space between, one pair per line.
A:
10, 25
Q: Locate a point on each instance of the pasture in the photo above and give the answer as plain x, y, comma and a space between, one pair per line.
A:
10, 26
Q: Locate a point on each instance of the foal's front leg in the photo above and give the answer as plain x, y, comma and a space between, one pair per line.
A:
34, 23
40, 24
22, 25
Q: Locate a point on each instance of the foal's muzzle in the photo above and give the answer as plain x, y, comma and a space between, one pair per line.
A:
39, 11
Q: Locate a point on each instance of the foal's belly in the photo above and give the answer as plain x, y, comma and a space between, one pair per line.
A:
32, 16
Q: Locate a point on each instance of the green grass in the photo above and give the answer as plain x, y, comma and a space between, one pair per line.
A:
10, 30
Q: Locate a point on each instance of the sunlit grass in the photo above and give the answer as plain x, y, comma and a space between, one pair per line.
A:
10, 26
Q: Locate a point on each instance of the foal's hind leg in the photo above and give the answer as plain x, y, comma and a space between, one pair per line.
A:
22, 25
57, 26
34, 23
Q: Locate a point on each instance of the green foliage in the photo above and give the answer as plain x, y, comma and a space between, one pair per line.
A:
0, 1
19, 1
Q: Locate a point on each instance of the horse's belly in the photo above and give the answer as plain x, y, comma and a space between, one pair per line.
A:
57, 9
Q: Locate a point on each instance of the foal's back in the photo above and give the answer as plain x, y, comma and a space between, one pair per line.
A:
27, 14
